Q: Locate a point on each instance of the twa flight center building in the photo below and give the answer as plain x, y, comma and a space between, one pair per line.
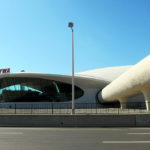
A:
106, 87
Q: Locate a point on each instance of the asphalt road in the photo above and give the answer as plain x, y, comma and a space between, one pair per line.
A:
74, 138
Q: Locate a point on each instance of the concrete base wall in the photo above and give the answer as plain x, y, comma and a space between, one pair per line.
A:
143, 120
75, 120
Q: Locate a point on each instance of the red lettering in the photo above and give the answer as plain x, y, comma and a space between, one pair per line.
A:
8, 70
4, 70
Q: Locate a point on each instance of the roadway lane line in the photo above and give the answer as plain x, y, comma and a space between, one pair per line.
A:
139, 133
11, 133
146, 128
125, 142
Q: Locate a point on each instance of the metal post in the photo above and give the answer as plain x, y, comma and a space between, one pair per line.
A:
73, 108
70, 24
52, 108
31, 108
15, 108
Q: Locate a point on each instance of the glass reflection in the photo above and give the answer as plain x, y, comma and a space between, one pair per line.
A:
36, 90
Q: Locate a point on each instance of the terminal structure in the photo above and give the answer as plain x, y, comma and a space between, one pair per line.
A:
105, 87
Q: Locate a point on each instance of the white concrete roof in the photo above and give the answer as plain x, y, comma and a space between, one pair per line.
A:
107, 74
83, 82
97, 78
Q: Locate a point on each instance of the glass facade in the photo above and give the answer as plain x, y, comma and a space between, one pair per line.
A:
36, 90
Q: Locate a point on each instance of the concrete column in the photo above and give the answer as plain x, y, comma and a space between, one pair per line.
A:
123, 103
146, 93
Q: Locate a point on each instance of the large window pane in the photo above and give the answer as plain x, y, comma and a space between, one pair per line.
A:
36, 90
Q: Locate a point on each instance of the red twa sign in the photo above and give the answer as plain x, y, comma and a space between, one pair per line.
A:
7, 70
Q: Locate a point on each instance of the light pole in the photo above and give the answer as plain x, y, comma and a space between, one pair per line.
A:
70, 25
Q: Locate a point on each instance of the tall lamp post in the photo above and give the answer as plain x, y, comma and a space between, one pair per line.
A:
70, 25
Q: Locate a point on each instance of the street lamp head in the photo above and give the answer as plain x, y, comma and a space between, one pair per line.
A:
70, 24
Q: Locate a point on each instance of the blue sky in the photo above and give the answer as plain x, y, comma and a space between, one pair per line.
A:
34, 35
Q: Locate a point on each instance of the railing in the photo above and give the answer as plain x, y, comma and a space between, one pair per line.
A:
65, 108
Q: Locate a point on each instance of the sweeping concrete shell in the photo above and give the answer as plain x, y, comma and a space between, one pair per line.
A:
38, 87
131, 83
116, 83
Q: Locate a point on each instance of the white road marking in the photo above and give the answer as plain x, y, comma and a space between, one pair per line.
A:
146, 128
139, 133
11, 133
124, 142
